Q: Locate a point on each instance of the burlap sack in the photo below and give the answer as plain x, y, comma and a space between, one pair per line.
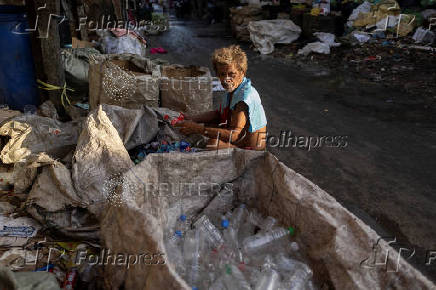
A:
339, 245
124, 80
186, 89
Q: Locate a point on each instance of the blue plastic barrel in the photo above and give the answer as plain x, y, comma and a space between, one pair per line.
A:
17, 75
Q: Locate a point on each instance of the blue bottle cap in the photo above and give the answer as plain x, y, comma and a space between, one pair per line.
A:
194, 288
225, 223
183, 217
178, 233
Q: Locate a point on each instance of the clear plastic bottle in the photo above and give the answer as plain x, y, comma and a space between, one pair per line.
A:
238, 216
221, 203
211, 233
268, 223
234, 279
298, 279
269, 278
174, 251
287, 264
192, 256
263, 239
218, 284
254, 217
181, 224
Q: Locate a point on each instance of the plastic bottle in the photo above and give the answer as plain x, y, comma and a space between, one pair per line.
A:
269, 278
192, 256
254, 218
268, 223
287, 264
237, 217
212, 234
234, 279
181, 224
263, 239
219, 204
299, 279
218, 284
174, 251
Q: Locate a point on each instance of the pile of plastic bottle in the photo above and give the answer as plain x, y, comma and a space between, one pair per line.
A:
139, 153
237, 249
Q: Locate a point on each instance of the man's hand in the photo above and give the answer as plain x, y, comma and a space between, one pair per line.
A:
189, 127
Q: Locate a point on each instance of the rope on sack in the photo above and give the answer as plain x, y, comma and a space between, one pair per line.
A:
49, 87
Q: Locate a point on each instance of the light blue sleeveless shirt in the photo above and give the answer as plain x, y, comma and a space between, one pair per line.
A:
246, 93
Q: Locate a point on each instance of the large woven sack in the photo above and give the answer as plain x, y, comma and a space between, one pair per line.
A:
124, 80
339, 245
100, 155
186, 88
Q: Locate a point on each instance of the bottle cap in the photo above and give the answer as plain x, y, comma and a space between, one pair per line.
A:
194, 288
225, 223
178, 233
291, 231
183, 217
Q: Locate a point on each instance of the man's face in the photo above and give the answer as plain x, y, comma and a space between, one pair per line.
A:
229, 76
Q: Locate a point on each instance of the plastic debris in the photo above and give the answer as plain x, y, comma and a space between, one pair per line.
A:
423, 36
362, 37
265, 33
236, 255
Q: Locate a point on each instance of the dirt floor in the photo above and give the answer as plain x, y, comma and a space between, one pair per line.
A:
385, 171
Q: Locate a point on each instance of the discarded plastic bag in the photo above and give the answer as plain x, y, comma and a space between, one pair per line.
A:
318, 47
423, 36
265, 33
123, 44
334, 239
47, 109
327, 41
27, 280
328, 38
32, 134
16, 232
18, 258
361, 37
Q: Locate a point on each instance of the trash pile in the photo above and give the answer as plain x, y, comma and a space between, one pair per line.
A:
139, 153
55, 180
240, 17
237, 249
380, 19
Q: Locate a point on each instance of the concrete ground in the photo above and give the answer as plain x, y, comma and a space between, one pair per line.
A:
385, 174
